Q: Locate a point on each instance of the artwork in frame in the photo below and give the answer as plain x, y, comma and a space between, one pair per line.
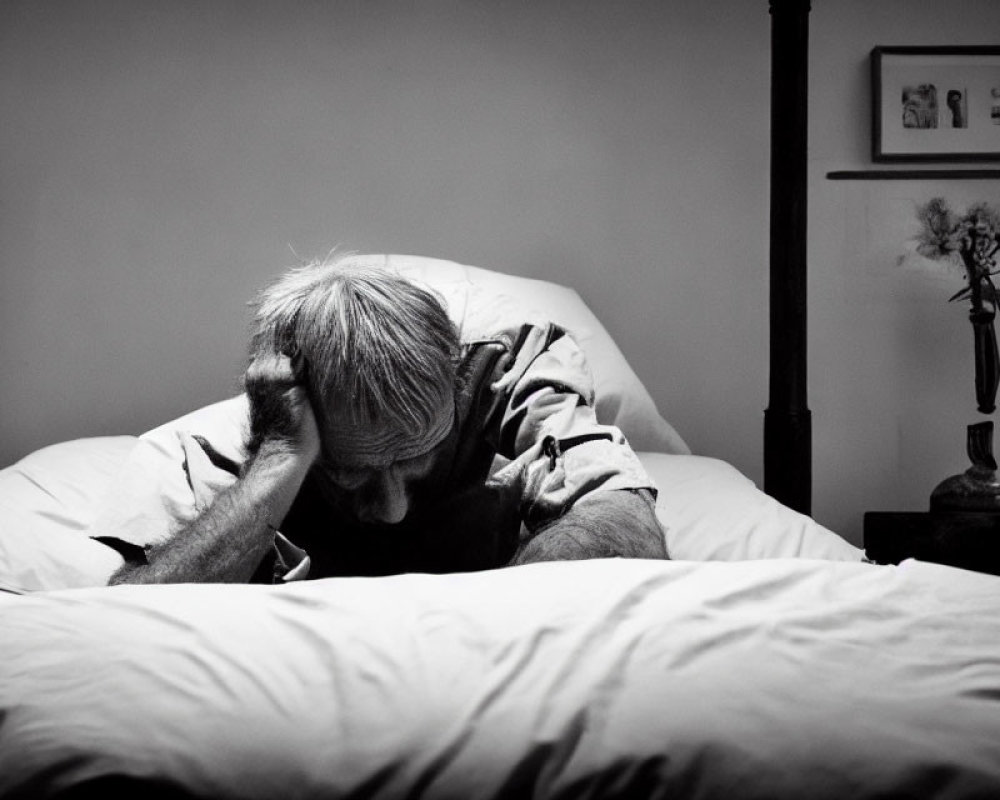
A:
935, 103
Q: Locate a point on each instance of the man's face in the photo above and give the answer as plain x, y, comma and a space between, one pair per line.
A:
374, 472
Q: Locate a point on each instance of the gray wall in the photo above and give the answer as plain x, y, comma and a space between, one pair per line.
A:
161, 160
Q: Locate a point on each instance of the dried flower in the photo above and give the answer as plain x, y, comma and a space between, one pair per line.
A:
969, 239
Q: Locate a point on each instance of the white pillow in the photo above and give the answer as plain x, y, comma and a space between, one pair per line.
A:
713, 512
154, 493
48, 500
483, 301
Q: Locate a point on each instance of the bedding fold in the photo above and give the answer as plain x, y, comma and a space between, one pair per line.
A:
786, 678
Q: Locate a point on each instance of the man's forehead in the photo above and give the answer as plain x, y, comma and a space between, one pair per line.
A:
353, 445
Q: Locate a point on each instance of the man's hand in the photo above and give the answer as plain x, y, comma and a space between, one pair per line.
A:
281, 415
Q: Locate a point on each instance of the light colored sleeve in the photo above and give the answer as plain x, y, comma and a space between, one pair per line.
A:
561, 454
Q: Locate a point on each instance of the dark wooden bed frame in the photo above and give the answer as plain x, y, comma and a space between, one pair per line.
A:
787, 419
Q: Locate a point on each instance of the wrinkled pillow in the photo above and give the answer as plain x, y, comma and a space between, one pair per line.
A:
48, 500
713, 512
153, 494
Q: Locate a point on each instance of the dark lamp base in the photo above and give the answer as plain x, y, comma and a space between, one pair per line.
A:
978, 488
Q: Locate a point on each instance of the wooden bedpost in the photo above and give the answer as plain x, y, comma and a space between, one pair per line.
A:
787, 420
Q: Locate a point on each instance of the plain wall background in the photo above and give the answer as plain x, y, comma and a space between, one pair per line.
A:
160, 161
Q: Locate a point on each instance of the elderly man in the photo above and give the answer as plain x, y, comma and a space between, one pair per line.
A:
380, 443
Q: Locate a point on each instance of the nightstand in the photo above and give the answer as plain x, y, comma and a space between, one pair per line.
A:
970, 540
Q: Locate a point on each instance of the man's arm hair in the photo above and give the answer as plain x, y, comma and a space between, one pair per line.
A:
227, 542
619, 523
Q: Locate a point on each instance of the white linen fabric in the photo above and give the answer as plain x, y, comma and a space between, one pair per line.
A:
616, 678
53, 500
713, 512
48, 501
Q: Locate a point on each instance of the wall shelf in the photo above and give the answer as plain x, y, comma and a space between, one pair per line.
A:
913, 174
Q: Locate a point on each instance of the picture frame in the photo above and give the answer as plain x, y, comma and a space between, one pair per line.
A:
935, 104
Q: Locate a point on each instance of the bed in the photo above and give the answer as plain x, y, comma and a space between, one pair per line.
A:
768, 659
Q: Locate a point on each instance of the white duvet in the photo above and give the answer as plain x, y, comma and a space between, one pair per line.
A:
782, 678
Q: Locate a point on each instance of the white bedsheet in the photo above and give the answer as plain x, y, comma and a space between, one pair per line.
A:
761, 679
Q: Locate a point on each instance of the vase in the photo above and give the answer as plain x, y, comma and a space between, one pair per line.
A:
978, 488
987, 359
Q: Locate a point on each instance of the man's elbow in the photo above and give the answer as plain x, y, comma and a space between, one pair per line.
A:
627, 519
613, 524
649, 539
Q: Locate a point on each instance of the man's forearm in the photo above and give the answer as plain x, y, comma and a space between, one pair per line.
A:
228, 541
610, 524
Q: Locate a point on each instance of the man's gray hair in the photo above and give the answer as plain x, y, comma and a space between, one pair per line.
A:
371, 342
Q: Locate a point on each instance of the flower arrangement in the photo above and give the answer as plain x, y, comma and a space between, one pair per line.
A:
970, 240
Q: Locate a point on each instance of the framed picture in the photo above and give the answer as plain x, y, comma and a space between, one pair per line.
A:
935, 103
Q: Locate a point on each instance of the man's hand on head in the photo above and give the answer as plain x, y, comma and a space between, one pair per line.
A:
281, 416
229, 539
